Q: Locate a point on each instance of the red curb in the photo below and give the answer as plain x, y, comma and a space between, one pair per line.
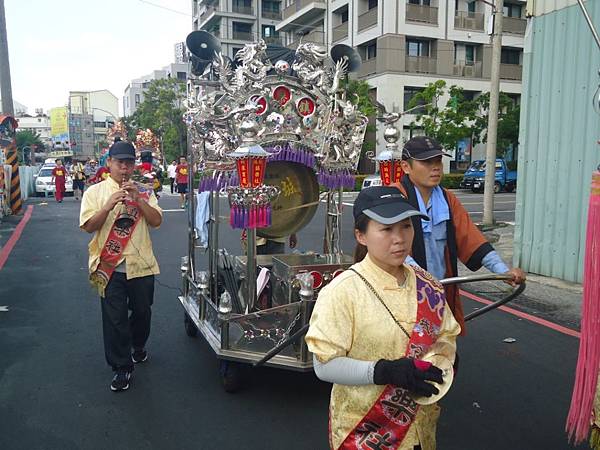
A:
525, 316
5, 252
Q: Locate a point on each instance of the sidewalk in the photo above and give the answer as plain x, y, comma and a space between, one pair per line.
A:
558, 300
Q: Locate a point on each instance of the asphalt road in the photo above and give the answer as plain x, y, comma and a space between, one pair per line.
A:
54, 382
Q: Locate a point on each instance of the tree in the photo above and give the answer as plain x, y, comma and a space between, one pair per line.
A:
462, 117
162, 111
28, 142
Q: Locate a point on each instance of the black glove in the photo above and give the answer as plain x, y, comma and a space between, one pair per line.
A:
404, 373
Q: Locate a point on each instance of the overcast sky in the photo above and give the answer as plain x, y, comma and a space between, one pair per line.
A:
57, 46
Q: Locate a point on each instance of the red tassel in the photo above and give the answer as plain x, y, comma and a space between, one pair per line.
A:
588, 362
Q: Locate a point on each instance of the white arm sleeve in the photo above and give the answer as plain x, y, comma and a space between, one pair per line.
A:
344, 370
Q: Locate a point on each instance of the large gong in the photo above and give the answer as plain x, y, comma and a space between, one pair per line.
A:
299, 187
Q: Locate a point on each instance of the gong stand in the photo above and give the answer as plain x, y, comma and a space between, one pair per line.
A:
333, 223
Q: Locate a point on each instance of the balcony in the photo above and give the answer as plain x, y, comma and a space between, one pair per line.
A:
340, 32
367, 19
421, 64
317, 37
511, 71
269, 14
298, 5
242, 36
468, 70
241, 9
209, 15
469, 20
514, 25
368, 67
421, 13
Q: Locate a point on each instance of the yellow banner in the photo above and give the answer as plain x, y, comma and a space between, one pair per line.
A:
59, 124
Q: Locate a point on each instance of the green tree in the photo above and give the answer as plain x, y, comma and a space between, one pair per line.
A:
461, 117
28, 142
162, 111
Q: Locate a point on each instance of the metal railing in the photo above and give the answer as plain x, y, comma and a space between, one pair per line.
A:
241, 9
269, 14
421, 13
368, 67
471, 69
367, 19
469, 20
273, 40
242, 36
318, 37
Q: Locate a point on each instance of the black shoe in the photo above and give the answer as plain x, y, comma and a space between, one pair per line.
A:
139, 356
120, 381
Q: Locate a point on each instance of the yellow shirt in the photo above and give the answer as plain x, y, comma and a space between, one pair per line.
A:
138, 254
348, 320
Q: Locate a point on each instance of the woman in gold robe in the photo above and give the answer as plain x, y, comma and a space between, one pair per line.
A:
375, 331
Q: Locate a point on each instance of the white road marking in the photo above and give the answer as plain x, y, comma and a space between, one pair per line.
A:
174, 210
3, 308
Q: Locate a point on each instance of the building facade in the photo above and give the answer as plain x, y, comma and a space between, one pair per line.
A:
134, 92
559, 136
408, 44
38, 124
91, 115
238, 22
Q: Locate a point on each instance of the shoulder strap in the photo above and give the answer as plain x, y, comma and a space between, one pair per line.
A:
372, 289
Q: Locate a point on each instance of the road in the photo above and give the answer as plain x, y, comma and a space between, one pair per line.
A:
54, 382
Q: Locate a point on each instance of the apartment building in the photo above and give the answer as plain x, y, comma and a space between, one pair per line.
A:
409, 43
238, 22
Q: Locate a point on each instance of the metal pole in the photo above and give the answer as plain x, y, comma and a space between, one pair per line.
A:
589, 22
5, 84
251, 267
492, 131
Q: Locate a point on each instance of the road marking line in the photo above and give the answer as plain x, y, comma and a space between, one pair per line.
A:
525, 316
495, 203
496, 211
174, 210
16, 234
3, 308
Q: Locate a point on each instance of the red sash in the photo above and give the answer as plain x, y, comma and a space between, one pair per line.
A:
116, 242
389, 419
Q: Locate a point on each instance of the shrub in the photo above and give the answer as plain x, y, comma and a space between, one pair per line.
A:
451, 180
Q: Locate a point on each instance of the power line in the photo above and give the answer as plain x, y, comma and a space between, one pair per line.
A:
166, 8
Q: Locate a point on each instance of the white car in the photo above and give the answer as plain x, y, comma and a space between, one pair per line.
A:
44, 184
371, 180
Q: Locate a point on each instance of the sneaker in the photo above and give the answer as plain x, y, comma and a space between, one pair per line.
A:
120, 381
139, 356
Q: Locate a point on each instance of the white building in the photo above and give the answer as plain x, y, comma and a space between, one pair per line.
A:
134, 92
18, 108
238, 22
91, 115
38, 124
408, 44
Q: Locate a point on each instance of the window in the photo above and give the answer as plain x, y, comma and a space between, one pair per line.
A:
234, 51
510, 56
420, 2
269, 6
137, 99
371, 51
511, 10
415, 47
182, 76
409, 93
372, 4
269, 31
471, 6
469, 55
344, 16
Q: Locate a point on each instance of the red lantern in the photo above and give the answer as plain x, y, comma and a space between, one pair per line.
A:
390, 171
258, 171
243, 168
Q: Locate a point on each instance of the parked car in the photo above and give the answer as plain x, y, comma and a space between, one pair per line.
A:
475, 175
371, 180
43, 181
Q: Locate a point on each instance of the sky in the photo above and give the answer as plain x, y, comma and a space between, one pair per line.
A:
57, 46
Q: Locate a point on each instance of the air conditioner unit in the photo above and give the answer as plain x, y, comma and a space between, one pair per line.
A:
469, 71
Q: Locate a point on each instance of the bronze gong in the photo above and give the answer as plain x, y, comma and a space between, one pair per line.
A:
299, 186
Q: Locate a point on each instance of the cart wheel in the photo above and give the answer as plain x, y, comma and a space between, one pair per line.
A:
190, 327
497, 187
231, 375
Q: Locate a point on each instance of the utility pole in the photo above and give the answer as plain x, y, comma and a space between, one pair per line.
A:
492, 131
5, 84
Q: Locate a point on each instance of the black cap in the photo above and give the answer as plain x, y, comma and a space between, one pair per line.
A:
422, 148
122, 150
384, 204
